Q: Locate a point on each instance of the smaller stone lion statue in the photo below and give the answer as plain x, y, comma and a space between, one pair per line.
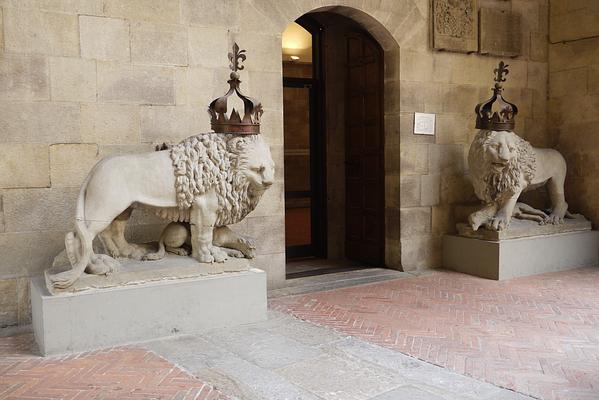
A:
502, 166
204, 183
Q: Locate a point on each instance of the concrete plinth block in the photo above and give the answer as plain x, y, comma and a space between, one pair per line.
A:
113, 316
510, 258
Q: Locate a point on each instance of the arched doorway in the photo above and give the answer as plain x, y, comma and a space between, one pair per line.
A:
334, 104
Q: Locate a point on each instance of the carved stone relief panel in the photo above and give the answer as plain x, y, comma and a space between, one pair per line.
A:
455, 25
499, 33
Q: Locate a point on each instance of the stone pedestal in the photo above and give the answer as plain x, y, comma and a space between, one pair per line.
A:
156, 305
523, 256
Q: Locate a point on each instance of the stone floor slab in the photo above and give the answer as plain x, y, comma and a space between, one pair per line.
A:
335, 378
409, 392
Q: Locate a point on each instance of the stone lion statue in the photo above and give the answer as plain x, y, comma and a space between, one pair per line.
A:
208, 181
502, 166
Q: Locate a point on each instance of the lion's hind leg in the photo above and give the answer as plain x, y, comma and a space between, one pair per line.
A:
526, 212
226, 238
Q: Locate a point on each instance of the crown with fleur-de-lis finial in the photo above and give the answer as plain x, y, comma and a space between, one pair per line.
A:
234, 123
497, 114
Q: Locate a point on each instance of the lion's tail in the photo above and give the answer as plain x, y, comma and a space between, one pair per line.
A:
78, 243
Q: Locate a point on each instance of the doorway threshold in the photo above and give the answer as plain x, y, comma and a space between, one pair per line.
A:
314, 266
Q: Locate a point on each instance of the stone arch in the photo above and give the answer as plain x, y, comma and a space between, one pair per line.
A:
396, 24
366, 18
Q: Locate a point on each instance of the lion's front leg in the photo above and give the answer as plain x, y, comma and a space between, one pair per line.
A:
202, 221
502, 219
559, 206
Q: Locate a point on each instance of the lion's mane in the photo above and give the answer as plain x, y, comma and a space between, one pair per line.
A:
213, 161
490, 185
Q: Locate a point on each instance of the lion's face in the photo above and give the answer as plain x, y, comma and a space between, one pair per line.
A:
500, 150
259, 168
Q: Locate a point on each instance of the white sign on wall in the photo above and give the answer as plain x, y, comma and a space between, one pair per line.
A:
424, 124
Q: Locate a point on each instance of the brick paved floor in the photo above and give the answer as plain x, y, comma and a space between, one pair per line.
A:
536, 335
118, 373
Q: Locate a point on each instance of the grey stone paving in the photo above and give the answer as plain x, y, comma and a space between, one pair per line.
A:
339, 280
285, 358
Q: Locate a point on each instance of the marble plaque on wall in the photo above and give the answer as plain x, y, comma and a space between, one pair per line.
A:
499, 33
455, 25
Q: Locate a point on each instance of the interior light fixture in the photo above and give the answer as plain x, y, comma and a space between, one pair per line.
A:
294, 58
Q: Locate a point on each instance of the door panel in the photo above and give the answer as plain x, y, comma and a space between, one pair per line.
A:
364, 151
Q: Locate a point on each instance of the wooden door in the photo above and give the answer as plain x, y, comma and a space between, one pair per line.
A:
364, 151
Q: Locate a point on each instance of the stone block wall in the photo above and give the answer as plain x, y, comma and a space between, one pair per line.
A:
80, 80
574, 98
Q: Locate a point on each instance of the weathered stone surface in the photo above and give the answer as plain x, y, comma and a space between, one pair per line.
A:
264, 48
594, 79
203, 12
24, 77
331, 377
165, 123
456, 189
28, 253
208, 46
9, 314
409, 191
415, 221
460, 98
563, 83
392, 191
458, 32
539, 46
1, 32
416, 66
208, 81
272, 202
104, 38
135, 84
446, 158
576, 21
148, 10
110, 123
88, 7
430, 189
579, 53
70, 163
537, 75
119, 149
269, 233
413, 159
39, 209
23, 301
160, 44
32, 31
442, 220
500, 33
24, 165
39, 122
73, 79
453, 128
420, 252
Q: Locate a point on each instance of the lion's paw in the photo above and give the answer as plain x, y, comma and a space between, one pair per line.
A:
64, 279
218, 254
554, 219
102, 264
179, 251
498, 223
